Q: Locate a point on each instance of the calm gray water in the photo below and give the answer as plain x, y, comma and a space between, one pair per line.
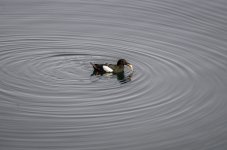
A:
176, 98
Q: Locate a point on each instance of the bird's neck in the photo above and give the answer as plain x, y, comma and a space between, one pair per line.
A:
120, 65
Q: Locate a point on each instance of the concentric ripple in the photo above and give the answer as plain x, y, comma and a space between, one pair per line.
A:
174, 99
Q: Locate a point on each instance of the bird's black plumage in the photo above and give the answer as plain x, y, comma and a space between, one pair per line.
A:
113, 68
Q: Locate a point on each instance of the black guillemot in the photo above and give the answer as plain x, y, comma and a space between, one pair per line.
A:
112, 68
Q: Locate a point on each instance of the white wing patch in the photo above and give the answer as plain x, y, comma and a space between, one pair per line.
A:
107, 69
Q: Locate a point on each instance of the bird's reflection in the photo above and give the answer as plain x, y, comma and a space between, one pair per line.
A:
121, 77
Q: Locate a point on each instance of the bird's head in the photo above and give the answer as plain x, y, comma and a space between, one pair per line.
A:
122, 62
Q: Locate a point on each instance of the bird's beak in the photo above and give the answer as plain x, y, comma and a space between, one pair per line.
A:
130, 66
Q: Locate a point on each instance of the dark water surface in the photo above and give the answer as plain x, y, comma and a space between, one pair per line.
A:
176, 99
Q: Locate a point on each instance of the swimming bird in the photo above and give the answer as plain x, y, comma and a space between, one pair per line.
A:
112, 68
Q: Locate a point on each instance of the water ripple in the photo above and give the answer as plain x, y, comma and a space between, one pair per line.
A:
174, 99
